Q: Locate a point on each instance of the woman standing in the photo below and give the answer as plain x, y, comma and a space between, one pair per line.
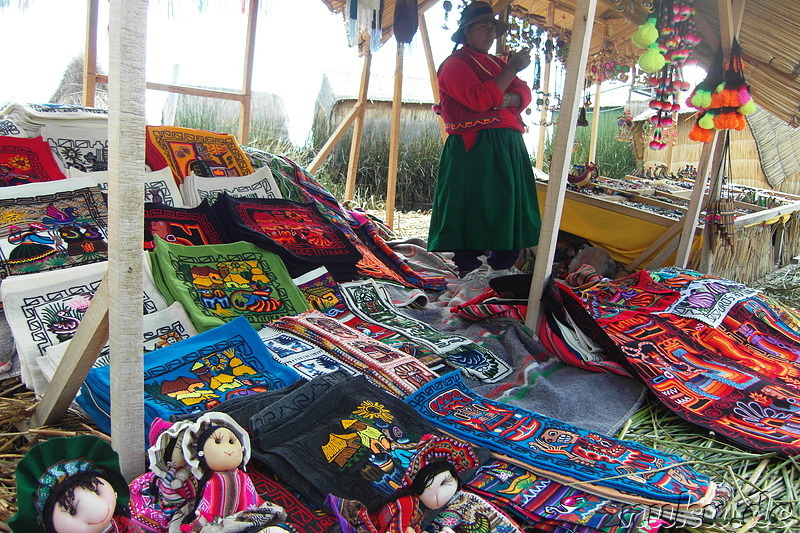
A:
485, 195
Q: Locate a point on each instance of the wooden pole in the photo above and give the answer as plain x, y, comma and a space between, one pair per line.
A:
394, 138
562, 150
595, 124
90, 54
126, 131
545, 88
335, 137
358, 129
247, 81
695, 202
426, 45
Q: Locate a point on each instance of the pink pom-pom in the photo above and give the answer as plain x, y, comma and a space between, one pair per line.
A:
655, 145
666, 121
744, 95
675, 108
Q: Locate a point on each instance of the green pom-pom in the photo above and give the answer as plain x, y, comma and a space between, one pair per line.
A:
747, 108
720, 87
646, 34
706, 122
701, 99
652, 60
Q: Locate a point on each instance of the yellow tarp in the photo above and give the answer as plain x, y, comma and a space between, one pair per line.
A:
623, 236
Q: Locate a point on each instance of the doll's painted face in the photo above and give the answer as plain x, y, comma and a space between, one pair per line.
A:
440, 489
90, 512
222, 450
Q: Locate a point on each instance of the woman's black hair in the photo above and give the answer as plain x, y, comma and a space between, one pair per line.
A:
63, 494
168, 449
421, 482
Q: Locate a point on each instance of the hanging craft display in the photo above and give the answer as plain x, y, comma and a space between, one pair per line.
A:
406, 20
625, 127
364, 17
722, 98
612, 62
669, 37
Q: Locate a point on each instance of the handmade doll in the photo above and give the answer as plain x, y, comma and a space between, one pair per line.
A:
158, 494
71, 485
217, 449
431, 480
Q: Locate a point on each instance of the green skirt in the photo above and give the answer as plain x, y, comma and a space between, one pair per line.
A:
485, 198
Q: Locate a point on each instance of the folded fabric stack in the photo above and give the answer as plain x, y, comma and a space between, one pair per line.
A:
393, 370
624, 471
159, 186
10, 129
51, 225
193, 226
187, 151
301, 355
194, 374
217, 283
33, 117
24, 160
259, 184
46, 308
302, 237
80, 147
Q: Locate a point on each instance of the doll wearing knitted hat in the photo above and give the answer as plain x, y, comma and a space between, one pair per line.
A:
217, 449
431, 481
158, 494
71, 485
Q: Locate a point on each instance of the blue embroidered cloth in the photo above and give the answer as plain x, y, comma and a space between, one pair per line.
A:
194, 375
632, 471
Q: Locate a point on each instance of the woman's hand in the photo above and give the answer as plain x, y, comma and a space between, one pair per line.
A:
520, 60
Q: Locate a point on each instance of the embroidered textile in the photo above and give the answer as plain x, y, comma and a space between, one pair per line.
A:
737, 379
159, 186
82, 148
194, 226
24, 160
470, 512
365, 300
32, 117
350, 439
709, 300
49, 226
282, 171
299, 516
9, 129
161, 328
364, 353
194, 375
217, 283
187, 150
260, 184
46, 308
304, 357
298, 233
625, 469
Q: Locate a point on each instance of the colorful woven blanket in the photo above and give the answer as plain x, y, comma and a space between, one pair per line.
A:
738, 379
305, 357
395, 371
186, 150
25, 160
366, 301
194, 375
622, 470
217, 283
194, 226
49, 226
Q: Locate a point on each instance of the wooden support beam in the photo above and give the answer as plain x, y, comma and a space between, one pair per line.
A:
184, 89
126, 141
595, 123
335, 137
562, 150
81, 354
394, 136
247, 78
90, 54
426, 45
358, 129
669, 234
659, 260
696, 202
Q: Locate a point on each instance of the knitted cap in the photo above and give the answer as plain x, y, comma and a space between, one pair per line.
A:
432, 448
49, 463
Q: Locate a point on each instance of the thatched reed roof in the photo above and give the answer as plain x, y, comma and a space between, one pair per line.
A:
769, 36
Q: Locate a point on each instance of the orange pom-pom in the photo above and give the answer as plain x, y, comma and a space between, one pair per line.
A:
741, 122
717, 100
700, 134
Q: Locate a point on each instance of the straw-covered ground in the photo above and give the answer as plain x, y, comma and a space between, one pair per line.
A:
767, 487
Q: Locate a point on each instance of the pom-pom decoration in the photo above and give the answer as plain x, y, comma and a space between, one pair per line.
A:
652, 60
646, 34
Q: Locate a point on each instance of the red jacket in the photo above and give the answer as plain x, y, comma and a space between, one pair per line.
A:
470, 98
